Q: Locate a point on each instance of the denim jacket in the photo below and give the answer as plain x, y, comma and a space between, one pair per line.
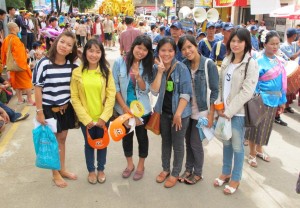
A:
122, 80
200, 82
182, 88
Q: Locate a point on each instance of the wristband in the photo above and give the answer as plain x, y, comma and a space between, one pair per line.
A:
38, 110
219, 106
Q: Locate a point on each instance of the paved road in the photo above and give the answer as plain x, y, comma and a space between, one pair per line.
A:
271, 185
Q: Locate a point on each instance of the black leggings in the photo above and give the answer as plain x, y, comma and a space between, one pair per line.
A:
142, 137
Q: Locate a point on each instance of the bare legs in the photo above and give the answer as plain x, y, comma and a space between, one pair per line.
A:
63, 173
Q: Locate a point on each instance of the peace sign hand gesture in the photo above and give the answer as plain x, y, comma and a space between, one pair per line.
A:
135, 69
160, 65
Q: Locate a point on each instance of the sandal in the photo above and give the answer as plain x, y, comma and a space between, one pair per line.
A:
22, 102
219, 182
263, 156
298, 185
162, 176
230, 190
193, 179
185, 175
252, 161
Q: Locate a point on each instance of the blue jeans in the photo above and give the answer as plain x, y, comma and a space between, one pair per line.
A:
233, 149
11, 113
89, 152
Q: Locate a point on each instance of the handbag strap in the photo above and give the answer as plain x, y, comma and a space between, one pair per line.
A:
208, 91
246, 68
172, 69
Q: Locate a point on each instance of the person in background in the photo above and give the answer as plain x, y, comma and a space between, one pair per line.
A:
82, 30
200, 108
108, 28
159, 36
51, 79
30, 30
11, 14
262, 26
173, 86
21, 80
254, 39
219, 51
206, 44
127, 36
272, 84
235, 89
219, 31
200, 35
176, 32
93, 97
292, 50
98, 32
152, 34
133, 75
20, 21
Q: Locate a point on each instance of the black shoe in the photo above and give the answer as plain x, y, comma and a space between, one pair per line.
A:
289, 109
22, 117
279, 121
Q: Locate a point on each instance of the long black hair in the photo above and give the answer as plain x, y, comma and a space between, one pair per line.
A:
147, 61
243, 35
103, 63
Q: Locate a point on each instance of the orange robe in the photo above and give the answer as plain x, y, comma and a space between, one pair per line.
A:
19, 80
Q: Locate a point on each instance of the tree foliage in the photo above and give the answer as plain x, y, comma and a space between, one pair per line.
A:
83, 4
15, 3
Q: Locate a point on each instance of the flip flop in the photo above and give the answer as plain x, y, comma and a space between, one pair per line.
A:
185, 175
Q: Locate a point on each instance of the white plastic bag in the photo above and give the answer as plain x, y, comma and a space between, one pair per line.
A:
223, 129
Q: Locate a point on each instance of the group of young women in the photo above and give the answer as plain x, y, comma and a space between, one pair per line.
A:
186, 92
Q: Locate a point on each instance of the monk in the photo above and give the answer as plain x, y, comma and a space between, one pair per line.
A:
20, 81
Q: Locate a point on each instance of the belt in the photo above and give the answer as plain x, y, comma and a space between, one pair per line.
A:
61, 109
219, 63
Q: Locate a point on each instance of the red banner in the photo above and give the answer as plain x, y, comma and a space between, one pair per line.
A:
229, 3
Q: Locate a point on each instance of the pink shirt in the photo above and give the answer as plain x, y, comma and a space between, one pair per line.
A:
127, 37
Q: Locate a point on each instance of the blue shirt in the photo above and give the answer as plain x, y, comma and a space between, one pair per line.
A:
157, 38
289, 49
273, 85
122, 82
167, 31
254, 42
203, 49
219, 36
222, 53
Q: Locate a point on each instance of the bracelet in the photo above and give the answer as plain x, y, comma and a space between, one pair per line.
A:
219, 106
38, 110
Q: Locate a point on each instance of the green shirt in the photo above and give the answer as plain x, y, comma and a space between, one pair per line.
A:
93, 87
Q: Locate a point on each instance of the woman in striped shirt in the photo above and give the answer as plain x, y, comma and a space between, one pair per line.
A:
51, 79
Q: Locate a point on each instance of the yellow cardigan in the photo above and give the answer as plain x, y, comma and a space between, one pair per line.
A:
78, 97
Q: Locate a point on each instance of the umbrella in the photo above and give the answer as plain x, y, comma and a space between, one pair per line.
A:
286, 12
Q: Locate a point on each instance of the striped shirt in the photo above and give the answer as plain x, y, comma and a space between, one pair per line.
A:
54, 80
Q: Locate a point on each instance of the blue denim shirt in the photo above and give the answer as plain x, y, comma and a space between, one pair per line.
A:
122, 80
201, 85
182, 88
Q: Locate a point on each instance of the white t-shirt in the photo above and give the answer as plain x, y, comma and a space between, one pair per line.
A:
227, 84
98, 28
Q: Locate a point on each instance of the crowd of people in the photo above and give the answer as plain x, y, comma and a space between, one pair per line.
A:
64, 58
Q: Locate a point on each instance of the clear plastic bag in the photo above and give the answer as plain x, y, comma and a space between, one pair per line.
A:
46, 148
223, 129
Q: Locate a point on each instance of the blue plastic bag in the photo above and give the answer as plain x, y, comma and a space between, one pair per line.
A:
46, 148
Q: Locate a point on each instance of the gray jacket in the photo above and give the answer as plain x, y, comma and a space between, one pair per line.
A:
241, 89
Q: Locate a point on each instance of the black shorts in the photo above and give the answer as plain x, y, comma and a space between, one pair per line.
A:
107, 36
64, 121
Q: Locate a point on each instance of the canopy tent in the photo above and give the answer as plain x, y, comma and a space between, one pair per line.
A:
286, 12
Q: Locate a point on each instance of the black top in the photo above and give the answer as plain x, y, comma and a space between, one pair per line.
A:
167, 104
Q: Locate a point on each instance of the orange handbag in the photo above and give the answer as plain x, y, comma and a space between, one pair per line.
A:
98, 143
154, 123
